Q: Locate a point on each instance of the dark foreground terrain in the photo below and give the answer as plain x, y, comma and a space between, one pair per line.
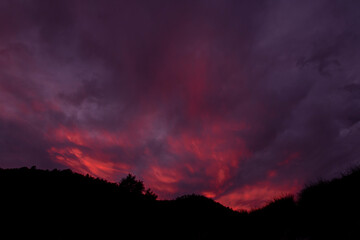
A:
42, 204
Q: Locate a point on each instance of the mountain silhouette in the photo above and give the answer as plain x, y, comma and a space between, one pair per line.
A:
43, 204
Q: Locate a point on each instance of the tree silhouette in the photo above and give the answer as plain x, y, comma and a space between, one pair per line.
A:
131, 185
136, 187
150, 195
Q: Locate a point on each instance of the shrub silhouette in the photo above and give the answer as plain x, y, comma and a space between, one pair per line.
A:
330, 209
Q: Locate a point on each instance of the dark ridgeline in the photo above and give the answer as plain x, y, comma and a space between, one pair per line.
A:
42, 204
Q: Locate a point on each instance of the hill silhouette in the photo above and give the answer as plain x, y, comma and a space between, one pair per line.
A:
43, 204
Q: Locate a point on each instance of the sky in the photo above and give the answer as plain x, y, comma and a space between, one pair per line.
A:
240, 101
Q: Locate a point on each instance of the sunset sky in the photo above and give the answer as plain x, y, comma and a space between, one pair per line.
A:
240, 101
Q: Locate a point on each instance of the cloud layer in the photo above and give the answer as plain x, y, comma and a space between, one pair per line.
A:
240, 101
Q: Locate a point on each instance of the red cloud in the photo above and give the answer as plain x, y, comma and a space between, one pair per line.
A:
289, 158
258, 194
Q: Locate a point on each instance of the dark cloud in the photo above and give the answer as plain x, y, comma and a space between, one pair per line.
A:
22, 145
237, 100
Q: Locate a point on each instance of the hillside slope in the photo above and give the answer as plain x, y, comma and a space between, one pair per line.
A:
57, 204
